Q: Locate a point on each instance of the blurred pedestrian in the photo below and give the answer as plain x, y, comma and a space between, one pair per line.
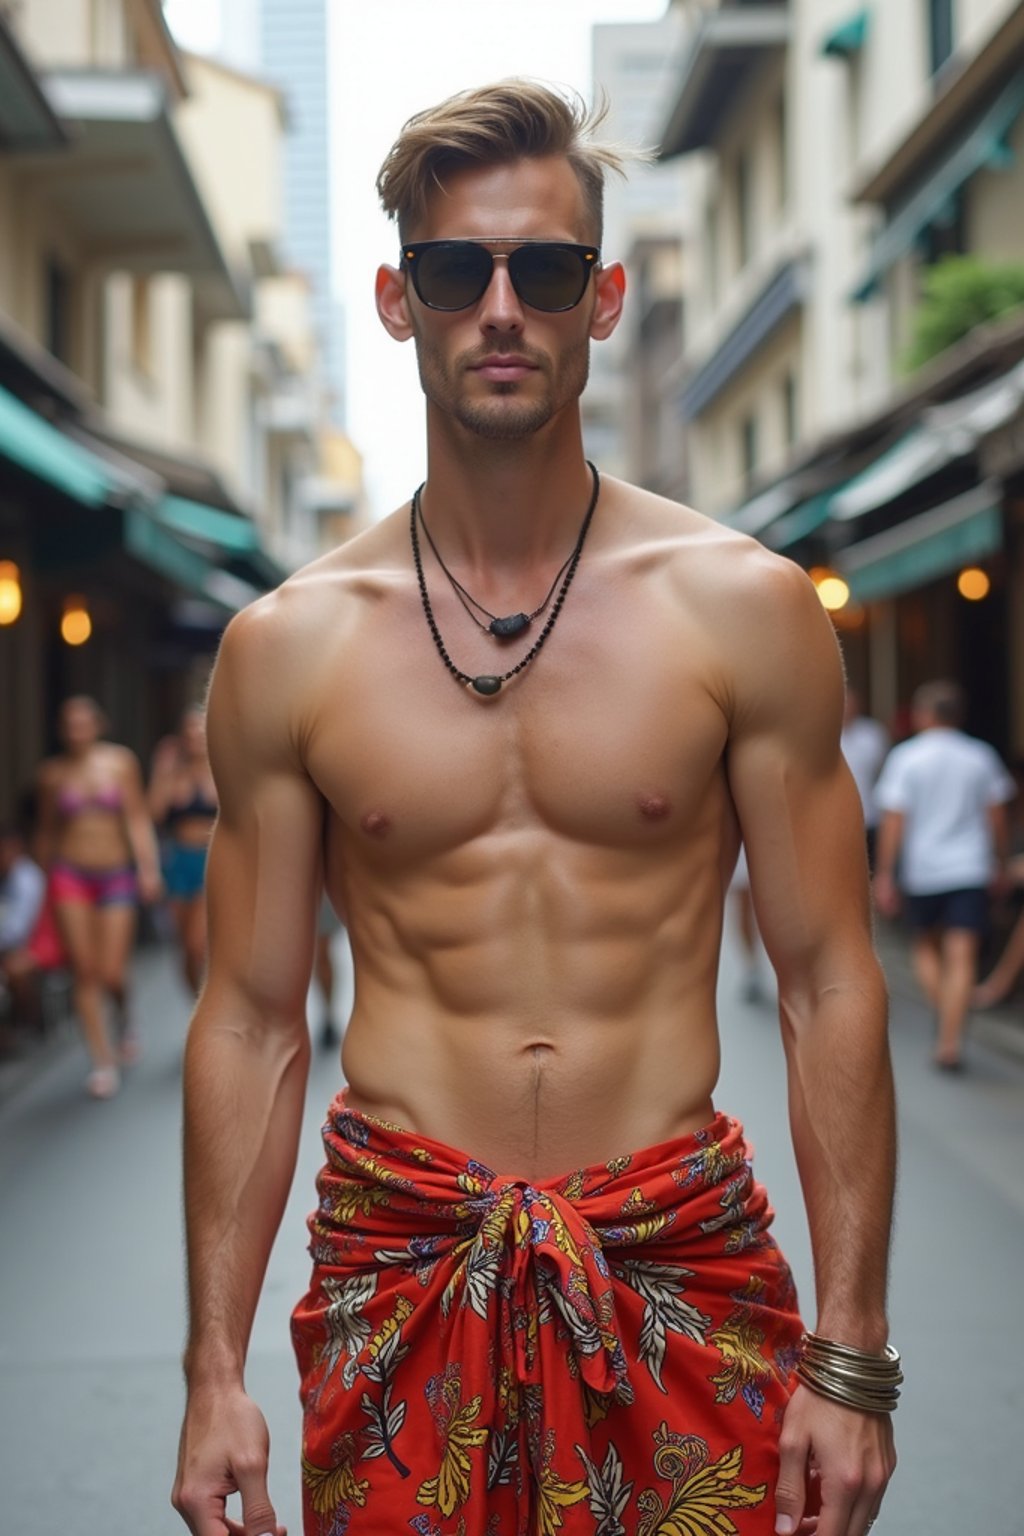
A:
864, 744
96, 842
183, 804
329, 925
943, 796
751, 989
22, 894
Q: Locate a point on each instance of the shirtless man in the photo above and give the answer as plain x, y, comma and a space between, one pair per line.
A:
533, 882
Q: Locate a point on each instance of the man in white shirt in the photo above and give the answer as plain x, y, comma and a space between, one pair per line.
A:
943, 796
864, 743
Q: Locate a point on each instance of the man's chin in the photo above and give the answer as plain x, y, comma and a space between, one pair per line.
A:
504, 420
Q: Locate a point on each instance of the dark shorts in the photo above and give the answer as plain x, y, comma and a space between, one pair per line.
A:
184, 870
950, 909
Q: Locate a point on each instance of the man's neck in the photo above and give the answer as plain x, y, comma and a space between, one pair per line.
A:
506, 507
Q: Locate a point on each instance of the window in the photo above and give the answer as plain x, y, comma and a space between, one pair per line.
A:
712, 251
789, 409
744, 220
748, 449
940, 30
947, 236
58, 310
782, 151
142, 327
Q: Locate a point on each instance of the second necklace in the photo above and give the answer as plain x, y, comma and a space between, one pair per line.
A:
488, 684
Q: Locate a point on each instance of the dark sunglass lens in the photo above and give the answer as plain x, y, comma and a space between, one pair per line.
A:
548, 277
453, 276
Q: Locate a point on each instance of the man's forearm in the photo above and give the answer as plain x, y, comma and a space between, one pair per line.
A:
842, 1113
244, 1090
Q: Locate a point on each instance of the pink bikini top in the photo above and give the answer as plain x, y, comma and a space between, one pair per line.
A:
72, 802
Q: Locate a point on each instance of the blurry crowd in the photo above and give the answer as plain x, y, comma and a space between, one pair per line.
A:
98, 841
944, 825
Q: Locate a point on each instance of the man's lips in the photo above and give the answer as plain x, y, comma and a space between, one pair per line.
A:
503, 366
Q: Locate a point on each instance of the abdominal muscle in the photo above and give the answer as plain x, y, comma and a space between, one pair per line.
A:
538, 1023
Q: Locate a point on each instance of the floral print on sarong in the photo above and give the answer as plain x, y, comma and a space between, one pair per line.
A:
605, 1354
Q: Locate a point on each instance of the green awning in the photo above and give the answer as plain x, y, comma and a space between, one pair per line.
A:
237, 538
918, 551
224, 529
849, 37
797, 524
983, 145
43, 450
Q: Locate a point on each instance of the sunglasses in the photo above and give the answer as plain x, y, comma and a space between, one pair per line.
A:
551, 275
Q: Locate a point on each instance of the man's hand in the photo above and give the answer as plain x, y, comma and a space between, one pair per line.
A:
887, 896
852, 1454
225, 1449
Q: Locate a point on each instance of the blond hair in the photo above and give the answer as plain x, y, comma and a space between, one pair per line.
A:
514, 119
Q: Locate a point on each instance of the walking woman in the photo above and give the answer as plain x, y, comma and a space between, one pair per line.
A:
183, 803
97, 842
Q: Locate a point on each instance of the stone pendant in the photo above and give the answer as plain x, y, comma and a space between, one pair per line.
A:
487, 684
514, 624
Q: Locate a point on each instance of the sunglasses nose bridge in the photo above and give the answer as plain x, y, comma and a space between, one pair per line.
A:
500, 298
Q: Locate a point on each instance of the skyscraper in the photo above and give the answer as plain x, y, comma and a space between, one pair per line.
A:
287, 42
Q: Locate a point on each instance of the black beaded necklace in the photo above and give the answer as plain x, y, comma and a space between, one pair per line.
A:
501, 628
487, 684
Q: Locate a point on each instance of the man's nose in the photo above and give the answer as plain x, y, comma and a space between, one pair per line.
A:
500, 307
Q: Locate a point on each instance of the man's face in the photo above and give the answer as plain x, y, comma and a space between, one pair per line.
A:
502, 369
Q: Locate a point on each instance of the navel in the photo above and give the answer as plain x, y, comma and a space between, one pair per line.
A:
654, 807
375, 823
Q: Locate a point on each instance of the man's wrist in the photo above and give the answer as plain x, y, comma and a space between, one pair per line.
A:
863, 1331
212, 1367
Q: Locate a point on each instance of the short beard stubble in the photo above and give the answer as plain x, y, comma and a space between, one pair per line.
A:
493, 418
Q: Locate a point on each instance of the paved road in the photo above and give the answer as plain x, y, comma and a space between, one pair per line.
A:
91, 1323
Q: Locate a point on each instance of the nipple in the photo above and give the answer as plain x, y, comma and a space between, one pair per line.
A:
654, 807
376, 823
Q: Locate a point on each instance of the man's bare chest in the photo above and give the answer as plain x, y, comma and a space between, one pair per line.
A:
612, 737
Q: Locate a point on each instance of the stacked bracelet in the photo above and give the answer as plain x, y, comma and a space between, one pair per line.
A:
849, 1376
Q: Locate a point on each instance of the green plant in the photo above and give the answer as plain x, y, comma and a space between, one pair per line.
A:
961, 292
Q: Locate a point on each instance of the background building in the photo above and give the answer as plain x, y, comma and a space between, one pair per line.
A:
633, 67
845, 160
162, 452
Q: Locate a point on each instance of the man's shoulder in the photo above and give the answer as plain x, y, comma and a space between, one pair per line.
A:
318, 593
707, 554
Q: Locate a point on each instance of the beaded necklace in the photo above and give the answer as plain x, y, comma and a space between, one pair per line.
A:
489, 684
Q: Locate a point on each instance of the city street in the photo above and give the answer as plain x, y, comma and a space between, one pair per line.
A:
92, 1321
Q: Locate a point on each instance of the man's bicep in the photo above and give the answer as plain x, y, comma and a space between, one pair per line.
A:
798, 807
264, 872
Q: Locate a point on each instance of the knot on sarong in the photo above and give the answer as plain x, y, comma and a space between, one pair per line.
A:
534, 1252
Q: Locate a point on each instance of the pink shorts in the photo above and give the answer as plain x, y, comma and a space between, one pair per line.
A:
99, 887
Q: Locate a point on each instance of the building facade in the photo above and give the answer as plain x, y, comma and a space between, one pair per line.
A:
160, 462
839, 154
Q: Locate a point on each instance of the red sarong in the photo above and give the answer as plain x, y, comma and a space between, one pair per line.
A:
607, 1353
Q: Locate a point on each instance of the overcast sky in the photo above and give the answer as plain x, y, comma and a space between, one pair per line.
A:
390, 58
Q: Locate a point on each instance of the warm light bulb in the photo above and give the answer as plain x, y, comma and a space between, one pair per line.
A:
76, 625
833, 591
10, 592
973, 584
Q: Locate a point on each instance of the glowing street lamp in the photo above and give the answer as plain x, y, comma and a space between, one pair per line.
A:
76, 624
973, 584
833, 592
10, 592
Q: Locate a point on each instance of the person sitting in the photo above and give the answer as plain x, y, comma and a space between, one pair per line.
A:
22, 894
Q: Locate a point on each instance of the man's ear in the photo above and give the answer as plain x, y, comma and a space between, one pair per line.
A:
610, 282
392, 304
